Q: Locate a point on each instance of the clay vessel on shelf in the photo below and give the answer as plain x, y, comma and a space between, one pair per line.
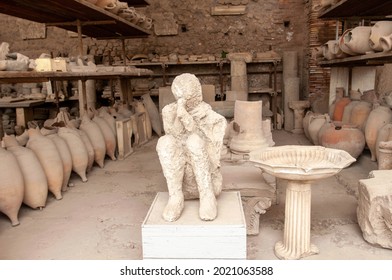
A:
343, 46
357, 40
328, 48
378, 117
11, 186
379, 29
386, 43
341, 136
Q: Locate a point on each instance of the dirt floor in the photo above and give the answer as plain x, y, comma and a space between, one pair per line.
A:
101, 219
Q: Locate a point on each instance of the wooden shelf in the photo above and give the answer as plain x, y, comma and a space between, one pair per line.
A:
372, 59
344, 9
96, 22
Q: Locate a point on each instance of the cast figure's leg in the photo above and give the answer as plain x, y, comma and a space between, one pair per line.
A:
201, 166
172, 158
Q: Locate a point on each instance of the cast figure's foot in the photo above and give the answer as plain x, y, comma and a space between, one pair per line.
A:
174, 208
208, 206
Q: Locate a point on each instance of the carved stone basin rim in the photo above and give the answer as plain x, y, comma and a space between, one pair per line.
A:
296, 162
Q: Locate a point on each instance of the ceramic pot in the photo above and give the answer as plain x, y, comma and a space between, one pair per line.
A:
343, 46
153, 112
378, 117
386, 42
343, 137
336, 50
77, 149
348, 110
360, 114
327, 50
11, 186
339, 108
35, 183
379, 29
106, 3
50, 159
315, 123
108, 136
97, 140
384, 134
305, 123
357, 40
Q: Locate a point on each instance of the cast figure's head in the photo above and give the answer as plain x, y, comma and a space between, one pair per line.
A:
187, 86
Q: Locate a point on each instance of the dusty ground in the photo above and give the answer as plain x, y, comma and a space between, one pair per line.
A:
101, 219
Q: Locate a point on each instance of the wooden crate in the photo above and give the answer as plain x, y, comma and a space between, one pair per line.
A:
191, 238
124, 134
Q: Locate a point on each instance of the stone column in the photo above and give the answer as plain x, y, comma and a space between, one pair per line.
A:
299, 111
291, 84
239, 76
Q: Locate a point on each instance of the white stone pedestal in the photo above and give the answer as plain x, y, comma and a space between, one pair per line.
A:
191, 238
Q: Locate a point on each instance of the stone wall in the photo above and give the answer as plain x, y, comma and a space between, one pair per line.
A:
267, 24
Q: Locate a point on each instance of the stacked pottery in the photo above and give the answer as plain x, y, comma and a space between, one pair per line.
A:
343, 46
378, 117
386, 43
378, 30
357, 40
339, 108
342, 136
360, 114
315, 124
328, 48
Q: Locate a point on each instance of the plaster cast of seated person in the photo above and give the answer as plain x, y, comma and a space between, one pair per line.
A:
189, 152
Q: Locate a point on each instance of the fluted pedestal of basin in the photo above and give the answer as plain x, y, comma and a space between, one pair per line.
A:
300, 166
296, 237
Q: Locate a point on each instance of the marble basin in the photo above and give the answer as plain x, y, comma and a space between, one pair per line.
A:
295, 162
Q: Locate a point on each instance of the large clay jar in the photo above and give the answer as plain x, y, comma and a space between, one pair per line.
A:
79, 154
50, 159
103, 112
384, 134
66, 157
315, 123
108, 135
357, 40
153, 112
11, 186
35, 182
348, 110
343, 46
339, 108
305, 123
97, 140
360, 114
328, 48
378, 117
379, 29
344, 137
386, 43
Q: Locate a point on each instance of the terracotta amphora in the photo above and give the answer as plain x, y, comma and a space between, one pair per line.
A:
153, 112
339, 108
378, 117
357, 40
386, 43
315, 123
108, 135
50, 159
35, 182
379, 29
348, 110
360, 114
11, 186
341, 136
